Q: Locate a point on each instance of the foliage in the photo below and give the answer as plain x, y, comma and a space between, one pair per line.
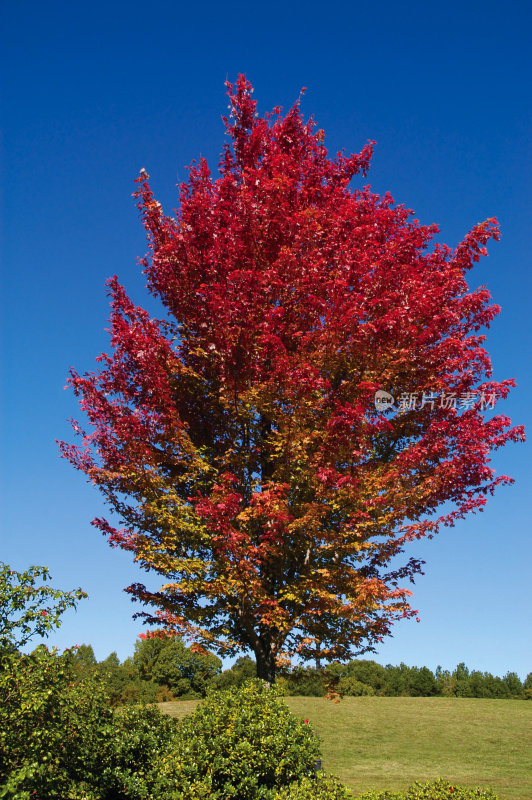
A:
322, 787
53, 732
242, 744
363, 677
123, 683
241, 671
412, 681
83, 660
143, 733
60, 738
161, 669
350, 687
513, 682
462, 682
238, 439
146, 653
170, 663
368, 672
29, 607
434, 790
306, 681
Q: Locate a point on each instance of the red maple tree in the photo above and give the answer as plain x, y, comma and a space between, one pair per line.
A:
238, 439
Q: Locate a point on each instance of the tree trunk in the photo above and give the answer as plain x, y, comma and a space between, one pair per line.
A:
265, 660
317, 658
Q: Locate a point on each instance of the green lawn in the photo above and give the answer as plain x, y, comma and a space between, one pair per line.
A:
389, 742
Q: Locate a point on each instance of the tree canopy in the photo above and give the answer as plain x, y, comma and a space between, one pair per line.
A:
238, 438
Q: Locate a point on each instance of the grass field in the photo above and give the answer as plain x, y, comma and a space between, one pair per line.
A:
389, 742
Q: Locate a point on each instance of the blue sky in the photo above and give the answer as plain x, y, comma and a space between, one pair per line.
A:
93, 92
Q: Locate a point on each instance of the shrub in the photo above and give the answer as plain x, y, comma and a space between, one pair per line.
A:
242, 744
165, 695
434, 790
141, 734
60, 738
53, 731
321, 787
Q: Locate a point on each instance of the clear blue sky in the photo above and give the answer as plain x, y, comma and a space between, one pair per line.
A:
92, 92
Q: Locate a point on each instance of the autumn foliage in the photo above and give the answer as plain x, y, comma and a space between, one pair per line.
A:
237, 437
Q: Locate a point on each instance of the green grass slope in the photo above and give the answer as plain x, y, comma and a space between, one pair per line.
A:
390, 742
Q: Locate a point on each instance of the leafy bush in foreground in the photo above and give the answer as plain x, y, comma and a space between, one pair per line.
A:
59, 737
242, 744
49, 726
434, 790
322, 787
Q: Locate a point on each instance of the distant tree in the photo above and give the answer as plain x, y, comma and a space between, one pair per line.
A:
513, 682
147, 651
351, 687
238, 439
84, 660
444, 681
185, 671
421, 682
111, 663
169, 662
242, 670
497, 687
115, 678
397, 680
461, 672
369, 673
461, 681
305, 681
479, 684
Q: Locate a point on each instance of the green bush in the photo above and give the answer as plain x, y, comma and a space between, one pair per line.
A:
242, 744
434, 790
141, 734
53, 731
60, 738
322, 787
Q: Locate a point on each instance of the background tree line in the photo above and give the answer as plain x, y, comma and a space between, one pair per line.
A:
165, 669
365, 677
